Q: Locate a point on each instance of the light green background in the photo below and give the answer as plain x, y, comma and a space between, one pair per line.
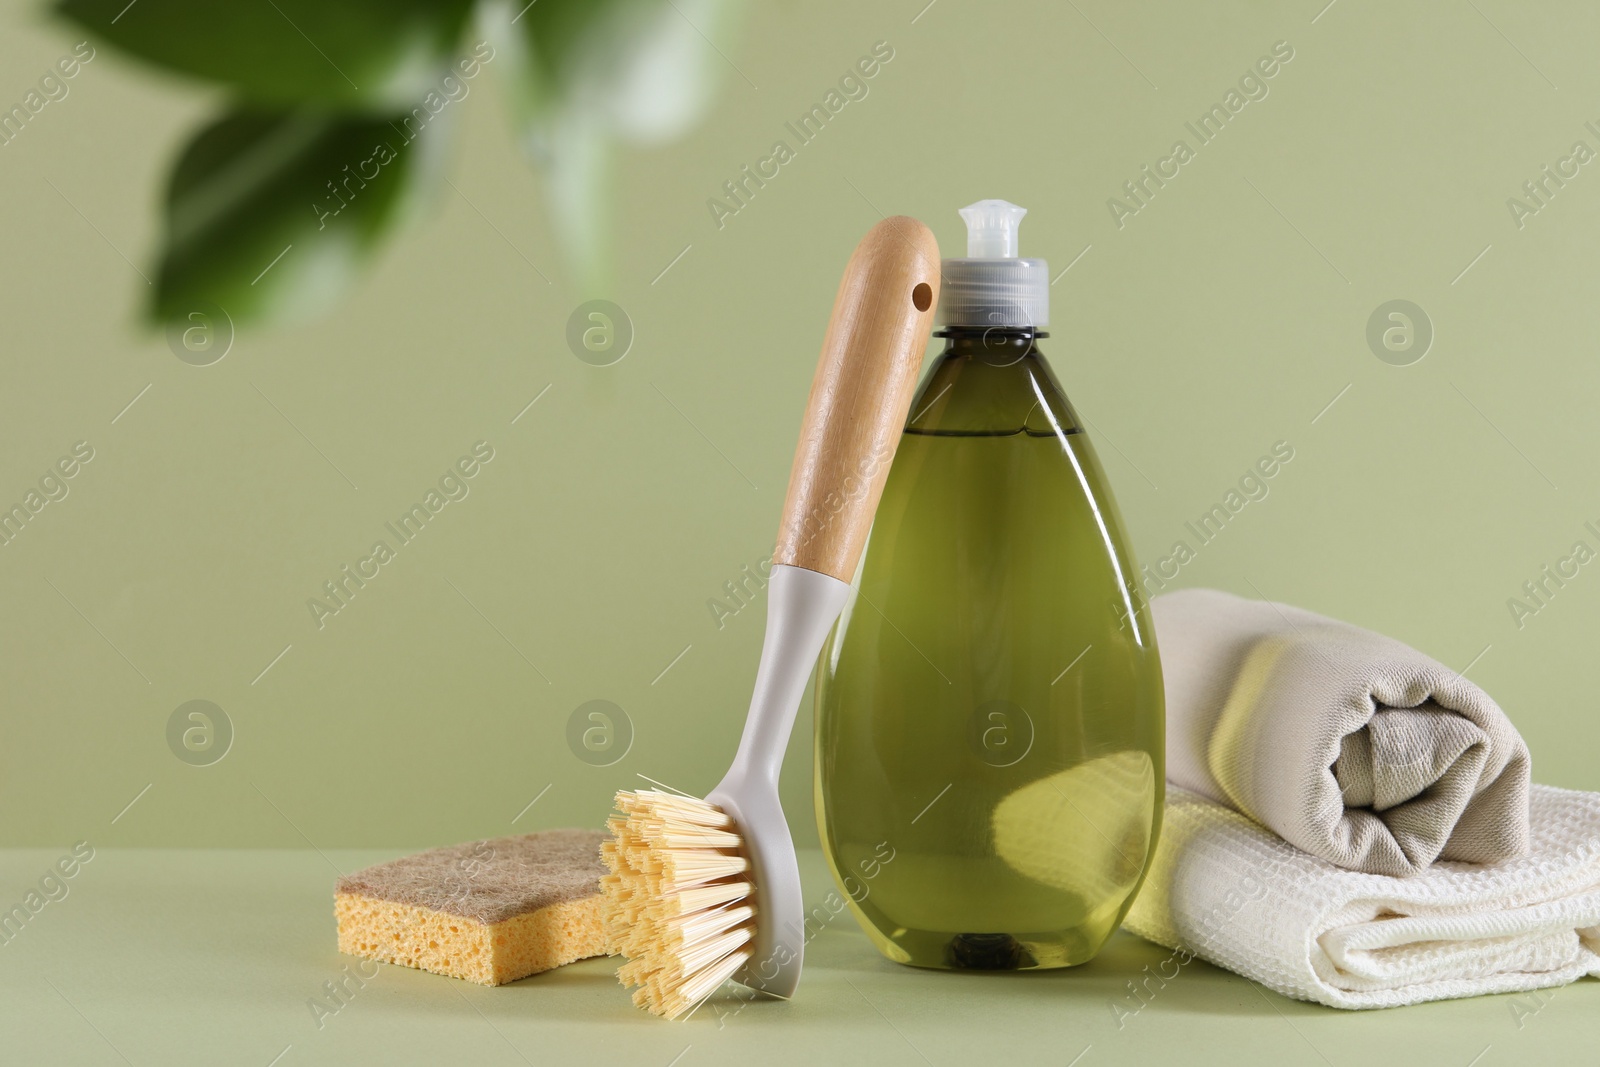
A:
1222, 318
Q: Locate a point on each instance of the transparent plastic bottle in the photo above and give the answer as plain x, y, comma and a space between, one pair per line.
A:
989, 761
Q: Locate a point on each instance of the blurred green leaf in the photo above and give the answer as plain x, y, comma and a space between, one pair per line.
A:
271, 213
368, 55
548, 41
642, 70
586, 74
274, 207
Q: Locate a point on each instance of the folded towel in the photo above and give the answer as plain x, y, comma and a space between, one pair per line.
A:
1350, 745
1222, 888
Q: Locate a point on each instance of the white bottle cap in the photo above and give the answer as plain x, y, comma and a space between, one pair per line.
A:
991, 286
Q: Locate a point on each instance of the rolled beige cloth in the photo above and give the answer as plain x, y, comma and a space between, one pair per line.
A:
1347, 744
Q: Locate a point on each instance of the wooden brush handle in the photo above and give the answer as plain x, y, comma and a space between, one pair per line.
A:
881, 321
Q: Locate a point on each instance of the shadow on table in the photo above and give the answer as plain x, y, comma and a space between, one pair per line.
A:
1130, 977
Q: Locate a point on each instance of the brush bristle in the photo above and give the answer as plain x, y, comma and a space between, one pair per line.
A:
678, 899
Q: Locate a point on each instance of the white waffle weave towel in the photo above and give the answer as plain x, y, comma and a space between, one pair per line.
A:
1225, 889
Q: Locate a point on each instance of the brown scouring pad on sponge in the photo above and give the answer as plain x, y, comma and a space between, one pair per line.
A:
488, 911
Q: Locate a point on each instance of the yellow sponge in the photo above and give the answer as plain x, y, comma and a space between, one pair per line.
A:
488, 911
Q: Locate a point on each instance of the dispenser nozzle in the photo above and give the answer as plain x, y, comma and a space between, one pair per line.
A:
992, 286
992, 229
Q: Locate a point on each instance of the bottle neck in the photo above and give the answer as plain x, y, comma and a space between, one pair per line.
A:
991, 381
996, 345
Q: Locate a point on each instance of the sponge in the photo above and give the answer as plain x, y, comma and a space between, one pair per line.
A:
487, 911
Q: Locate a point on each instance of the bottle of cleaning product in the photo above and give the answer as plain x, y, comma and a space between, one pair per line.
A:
989, 705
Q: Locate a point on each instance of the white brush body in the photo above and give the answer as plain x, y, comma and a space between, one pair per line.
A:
802, 606
701, 891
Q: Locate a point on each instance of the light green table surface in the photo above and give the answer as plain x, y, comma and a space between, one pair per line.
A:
210, 957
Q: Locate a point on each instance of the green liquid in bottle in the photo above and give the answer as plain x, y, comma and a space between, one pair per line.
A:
989, 705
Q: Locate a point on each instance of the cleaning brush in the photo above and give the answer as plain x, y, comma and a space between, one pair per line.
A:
701, 891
